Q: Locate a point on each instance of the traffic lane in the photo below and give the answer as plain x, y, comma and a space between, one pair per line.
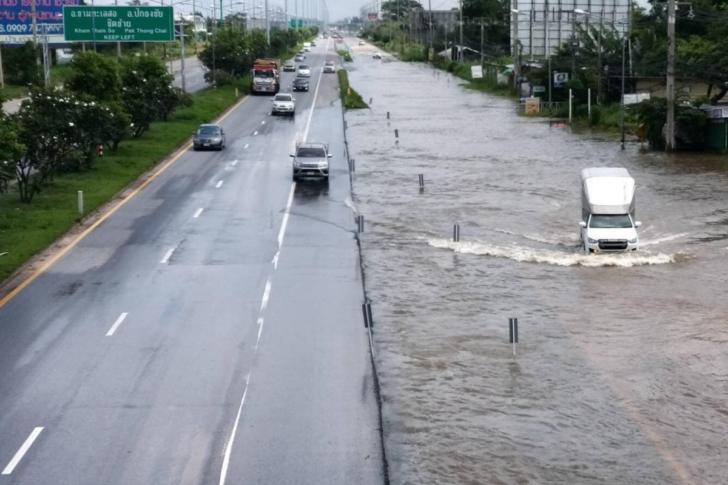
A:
106, 259
311, 402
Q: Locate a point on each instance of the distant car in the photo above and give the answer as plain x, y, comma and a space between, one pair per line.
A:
209, 137
311, 160
376, 55
361, 42
289, 66
304, 71
329, 67
300, 58
302, 53
300, 84
326, 36
313, 43
284, 104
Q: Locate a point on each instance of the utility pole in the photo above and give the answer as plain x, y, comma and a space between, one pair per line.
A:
118, 44
516, 60
670, 85
461, 52
599, 57
548, 55
431, 31
2, 78
624, 65
296, 14
267, 23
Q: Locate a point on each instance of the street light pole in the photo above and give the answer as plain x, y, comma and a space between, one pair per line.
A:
624, 46
670, 84
267, 23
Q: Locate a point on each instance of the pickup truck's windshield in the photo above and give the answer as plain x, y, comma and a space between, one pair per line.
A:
311, 152
266, 74
610, 222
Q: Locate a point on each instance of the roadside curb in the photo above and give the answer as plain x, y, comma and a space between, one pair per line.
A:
385, 461
46, 258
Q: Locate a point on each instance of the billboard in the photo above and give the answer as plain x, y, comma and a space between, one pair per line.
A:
16, 21
372, 16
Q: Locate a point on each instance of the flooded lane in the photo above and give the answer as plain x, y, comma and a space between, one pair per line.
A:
621, 371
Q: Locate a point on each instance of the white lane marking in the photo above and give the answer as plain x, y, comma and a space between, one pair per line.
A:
315, 95
166, 257
116, 324
286, 214
219, 184
246, 145
255, 134
235, 162
22, 451
199, 211
229, 447
266, 296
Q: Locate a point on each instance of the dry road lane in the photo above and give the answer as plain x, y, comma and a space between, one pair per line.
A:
207, 332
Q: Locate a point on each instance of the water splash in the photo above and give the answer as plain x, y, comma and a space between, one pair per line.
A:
530, 255
669, 237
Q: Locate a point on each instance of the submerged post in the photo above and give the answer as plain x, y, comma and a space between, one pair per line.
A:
456, 233
513, 333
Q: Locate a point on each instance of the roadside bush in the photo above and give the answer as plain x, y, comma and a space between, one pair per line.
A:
596, 116
20, 65
95, 75
221, 78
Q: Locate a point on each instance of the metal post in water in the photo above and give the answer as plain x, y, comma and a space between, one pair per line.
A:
513, 333
387, 114
80, 202
570, 106
396, 133
370, 100
589, 102
366, 315
456, 233
369, 315
360, 223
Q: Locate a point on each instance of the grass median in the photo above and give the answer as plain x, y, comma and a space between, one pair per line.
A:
346, 55
26, 229
350, 98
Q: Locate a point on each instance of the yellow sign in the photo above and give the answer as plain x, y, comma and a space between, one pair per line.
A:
533, 106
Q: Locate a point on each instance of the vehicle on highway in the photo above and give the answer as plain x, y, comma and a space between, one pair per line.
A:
209, 137
289, 66
311, 160
301, 84
300, 58
313, 43
329, 67
266, 77
302, 53
304, 71
284, 104
376, 55
608, 210
307, 46
326, 36
361, 42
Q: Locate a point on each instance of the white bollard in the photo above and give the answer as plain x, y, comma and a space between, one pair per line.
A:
80, 202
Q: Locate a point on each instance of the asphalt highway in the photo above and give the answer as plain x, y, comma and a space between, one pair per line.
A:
209, 331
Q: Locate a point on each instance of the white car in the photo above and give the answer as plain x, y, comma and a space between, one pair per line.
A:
376, 55
361, 42
304, 71
329, 67
284, 104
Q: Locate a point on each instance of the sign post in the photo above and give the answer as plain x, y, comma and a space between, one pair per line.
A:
118, 24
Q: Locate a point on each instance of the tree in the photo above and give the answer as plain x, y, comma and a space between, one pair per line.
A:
20, 64
399, 10
231, 53
11, 150
95, 75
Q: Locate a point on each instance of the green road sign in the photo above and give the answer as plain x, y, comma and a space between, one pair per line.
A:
118, 24
294, 21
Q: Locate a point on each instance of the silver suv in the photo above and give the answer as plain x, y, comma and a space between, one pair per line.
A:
311, 160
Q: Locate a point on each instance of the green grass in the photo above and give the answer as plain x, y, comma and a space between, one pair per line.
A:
26, 229
346, 55
11, 92
350, 98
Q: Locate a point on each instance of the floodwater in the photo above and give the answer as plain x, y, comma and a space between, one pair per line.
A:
621, 373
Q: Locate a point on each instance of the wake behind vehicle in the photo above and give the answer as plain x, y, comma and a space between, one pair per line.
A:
608, 210
311, 160
209, 137
266, 76
301, 84
284, 104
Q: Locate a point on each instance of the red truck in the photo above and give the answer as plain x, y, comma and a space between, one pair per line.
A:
266, 76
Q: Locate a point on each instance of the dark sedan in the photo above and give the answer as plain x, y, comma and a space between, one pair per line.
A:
300, 84
209, 137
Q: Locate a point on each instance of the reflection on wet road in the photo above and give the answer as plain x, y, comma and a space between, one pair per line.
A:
621, 371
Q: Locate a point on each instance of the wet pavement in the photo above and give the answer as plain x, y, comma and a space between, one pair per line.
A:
622, 367
208, 331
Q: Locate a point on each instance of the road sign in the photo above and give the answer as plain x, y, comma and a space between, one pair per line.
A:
560, 79
118, 24
476, 72
16, 21
539, 89
294, 21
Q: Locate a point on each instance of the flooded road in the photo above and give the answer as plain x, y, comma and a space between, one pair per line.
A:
621, 374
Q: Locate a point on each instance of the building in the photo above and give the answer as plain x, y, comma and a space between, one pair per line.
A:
685, 89
544, 24
199, 25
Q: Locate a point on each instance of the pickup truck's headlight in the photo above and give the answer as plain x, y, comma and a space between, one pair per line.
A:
592, 241
632, 241
296, 163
